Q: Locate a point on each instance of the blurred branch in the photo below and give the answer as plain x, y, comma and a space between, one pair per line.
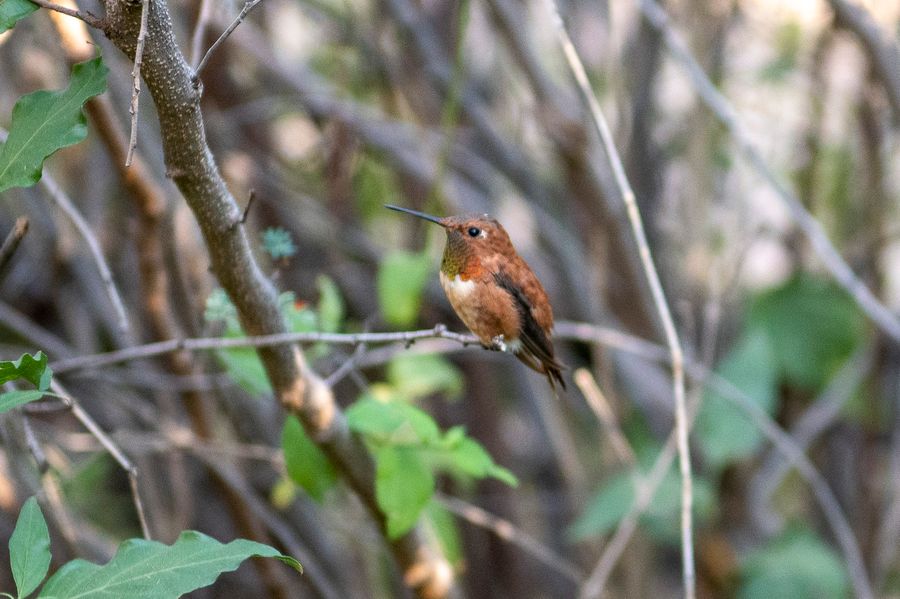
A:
248, 6
590, 588
883, 52
203, 19
11, 243
822, 413
62, 200
110, 446
604, 412
724, 111
298, 388
508, 531
87, 17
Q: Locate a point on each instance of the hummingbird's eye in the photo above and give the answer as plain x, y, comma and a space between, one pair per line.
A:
474, 231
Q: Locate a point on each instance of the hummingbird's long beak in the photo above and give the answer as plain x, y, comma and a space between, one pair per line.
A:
433, 219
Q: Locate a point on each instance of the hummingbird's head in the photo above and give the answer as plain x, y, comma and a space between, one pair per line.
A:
471, 240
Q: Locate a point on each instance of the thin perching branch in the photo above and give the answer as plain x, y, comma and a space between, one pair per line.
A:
659, 300
726, 114
248, 6
136, 81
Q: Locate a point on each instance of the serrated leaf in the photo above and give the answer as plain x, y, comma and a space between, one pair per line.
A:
403, 486
331, 305
419, 375
14, 10
392, 422
14, 399
29, 549
306, 464
724, 431
43, 122
33, 369
796, 565
401, 279
150, 570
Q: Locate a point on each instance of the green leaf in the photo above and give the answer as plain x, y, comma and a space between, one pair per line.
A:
278, 243
403, 486
29, 549
14, 399
151, 570
43, 122
420, 375
14, 10
464, 455
813, 326
401, 279
243, 365
610, 504
724, 432
331, 306
33, 369
392, 422
796, 565
306, 464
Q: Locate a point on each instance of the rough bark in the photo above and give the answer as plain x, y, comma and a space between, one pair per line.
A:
190, 164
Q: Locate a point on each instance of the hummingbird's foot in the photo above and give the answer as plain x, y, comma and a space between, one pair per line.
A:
498, 343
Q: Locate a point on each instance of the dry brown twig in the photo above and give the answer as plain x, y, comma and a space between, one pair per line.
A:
12, 240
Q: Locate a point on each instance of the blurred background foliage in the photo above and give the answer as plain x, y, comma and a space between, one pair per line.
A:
326, 110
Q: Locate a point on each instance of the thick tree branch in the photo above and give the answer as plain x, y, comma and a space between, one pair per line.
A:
190, 164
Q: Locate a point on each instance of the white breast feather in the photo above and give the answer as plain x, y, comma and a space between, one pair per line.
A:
456, 288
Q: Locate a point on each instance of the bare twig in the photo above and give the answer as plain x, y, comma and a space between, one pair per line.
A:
87, 17
88, 422
724, 111
508, 531
659, 300
164, 347
11, 243
248, 6
136, 81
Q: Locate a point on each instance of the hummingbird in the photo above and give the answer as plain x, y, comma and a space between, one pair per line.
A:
494, 292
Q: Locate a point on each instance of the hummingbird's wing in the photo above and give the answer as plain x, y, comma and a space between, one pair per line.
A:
538, 349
